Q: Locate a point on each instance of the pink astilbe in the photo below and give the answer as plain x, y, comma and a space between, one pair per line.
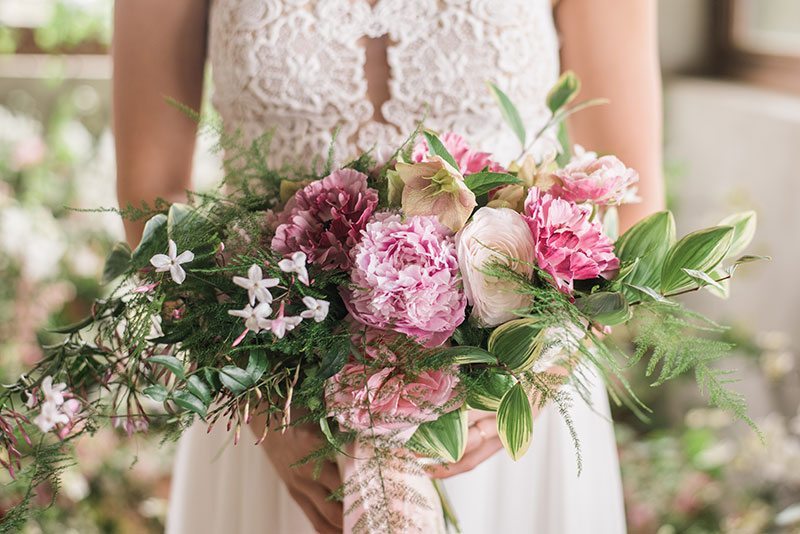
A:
405, 278
375, 396
325, 218
568, 245
469, 161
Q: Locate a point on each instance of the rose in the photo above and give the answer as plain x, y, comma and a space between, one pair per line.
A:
599, 180
375, 395
434, 187
495, 235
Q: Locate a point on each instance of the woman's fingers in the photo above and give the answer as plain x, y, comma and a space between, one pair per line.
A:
316, 518
329, 477
331, 511
482, 443
469, 461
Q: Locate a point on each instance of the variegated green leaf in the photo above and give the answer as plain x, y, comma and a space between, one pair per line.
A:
605, 307
487, 393
463, 355
515, 422
699, 251
648, 241
517, 343
744, 230
445, 438
563, 92
117, 262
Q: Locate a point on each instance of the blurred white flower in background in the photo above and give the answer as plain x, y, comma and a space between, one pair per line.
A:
32, 237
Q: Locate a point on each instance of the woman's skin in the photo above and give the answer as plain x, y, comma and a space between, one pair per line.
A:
159, 51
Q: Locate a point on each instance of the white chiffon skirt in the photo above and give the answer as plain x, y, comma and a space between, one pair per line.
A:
219, 488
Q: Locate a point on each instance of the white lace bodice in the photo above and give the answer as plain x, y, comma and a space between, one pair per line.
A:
298, 67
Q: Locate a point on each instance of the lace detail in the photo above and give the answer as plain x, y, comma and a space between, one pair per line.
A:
297, 67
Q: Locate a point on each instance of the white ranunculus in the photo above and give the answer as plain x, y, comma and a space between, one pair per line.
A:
495, 235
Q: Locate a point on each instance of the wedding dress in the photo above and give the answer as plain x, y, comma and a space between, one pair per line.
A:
299, 66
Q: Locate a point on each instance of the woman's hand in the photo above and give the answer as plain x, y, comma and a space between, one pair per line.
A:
482, 440
283, 450
482, 443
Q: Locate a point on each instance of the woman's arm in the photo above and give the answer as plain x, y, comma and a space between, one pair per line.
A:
159, 51
612, 45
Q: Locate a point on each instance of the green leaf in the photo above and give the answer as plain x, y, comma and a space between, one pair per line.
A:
509, 113
481, 183
703, 279
565, 154
170, 362
257, 364
437, 148
563, 92
700, 251
744, 230
445, 438
178, 214
515, 422
517, 343
199, 389
651, 293
605, 307
154, 241
325, 427
117, 262
187, 401
334, 360
723, 291
463, 355
235, 379
156, 392
487, 393
649, 241
73, 327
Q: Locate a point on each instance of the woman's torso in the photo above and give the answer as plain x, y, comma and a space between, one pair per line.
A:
303, 68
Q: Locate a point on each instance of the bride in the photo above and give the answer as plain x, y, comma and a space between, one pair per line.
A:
371, 67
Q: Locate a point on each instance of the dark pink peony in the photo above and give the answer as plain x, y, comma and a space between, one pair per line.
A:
568, 245
405, 278
469, 161
380, 398
325, 219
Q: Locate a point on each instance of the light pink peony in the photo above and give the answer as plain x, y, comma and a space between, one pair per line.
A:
588, 178
405, 278
469, 161
325, 218
568, 245
368, 397
495, 235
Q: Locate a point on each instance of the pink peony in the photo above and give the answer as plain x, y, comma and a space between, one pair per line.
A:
469, 161
325, 218
568, 245
405, 278
602, 181
368, 397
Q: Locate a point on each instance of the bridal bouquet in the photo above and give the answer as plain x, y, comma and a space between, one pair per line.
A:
380, 301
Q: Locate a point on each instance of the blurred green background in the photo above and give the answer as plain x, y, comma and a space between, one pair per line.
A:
731, 145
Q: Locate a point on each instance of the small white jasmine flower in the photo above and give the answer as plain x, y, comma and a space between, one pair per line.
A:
253, 317
49, 417
171, 261
53, 393
256, 285
280, 325
296, 264
317, 309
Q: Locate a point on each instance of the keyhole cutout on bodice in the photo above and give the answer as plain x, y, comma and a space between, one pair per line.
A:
376, 70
